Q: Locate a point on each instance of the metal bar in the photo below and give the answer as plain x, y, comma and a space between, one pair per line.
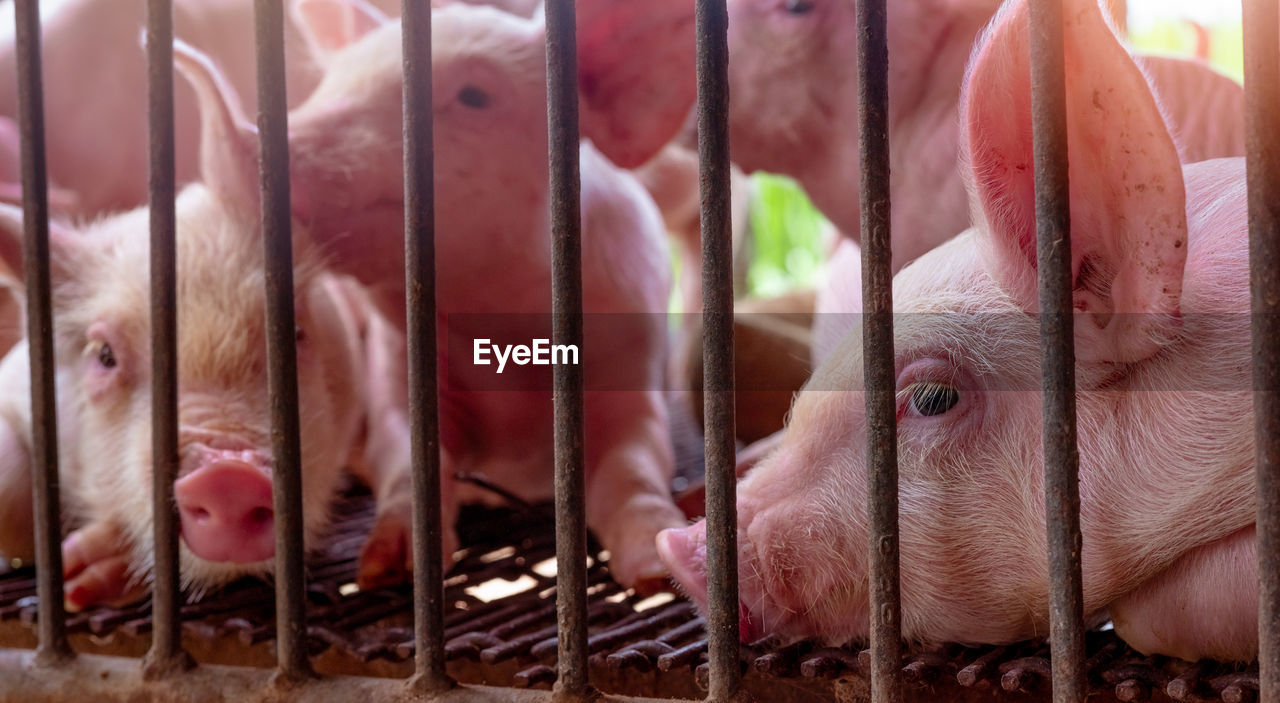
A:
35, 262
424, 410
1061, 457
104, 679
566, 309
166, 655
725, 674
877, 344
282, 361
1261, 22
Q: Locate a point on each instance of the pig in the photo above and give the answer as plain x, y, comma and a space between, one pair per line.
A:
96, 131
774, 127
1160, 272
223, 491
493, 245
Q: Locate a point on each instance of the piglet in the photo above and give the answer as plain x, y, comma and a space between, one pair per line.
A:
1160, 270
224, 487
493, 246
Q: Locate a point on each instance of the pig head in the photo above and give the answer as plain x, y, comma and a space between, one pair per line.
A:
1160, 270
101, 309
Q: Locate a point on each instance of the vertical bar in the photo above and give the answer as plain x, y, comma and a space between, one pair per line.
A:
53, 644
877, 341
424, 416
166, 655
1061, 458
712, 21
282, 361
1262, 106
566, 310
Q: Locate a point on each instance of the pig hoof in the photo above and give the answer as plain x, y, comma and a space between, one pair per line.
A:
387, 559
96, 566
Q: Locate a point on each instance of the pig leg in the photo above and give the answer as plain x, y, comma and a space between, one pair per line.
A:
95, 566
16, 540
385, 463
1206, 602
629, 484
15, 496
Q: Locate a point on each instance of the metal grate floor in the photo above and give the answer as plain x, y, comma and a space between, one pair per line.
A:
500, 629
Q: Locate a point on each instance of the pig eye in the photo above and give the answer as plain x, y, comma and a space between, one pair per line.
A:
474, 97
299, 334
799, 7
932, 399
106, 357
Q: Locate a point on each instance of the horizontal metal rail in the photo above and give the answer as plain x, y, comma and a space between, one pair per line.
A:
103, 679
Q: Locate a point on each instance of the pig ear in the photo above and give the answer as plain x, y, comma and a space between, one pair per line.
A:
1128, 204
329, 25
635, 73
228, 142
61, 243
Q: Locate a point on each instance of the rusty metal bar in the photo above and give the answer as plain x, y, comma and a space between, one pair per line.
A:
566, 310
424, 409
1261, 21
35, 264
1061, 457
712, 23
877, 344
282, 361
104, 679
166, 654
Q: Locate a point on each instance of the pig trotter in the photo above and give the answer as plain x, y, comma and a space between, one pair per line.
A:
15, 496
95, 565
387, 556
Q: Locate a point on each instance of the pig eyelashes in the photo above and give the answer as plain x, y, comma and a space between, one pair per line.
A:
932, 399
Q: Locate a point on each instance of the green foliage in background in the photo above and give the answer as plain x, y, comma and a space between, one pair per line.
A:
786, 237
786, 229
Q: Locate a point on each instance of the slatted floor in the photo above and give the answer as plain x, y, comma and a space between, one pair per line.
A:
500, 630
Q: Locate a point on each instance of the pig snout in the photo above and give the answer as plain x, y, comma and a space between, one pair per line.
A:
684, 551
225, 508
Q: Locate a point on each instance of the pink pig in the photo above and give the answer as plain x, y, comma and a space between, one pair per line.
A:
493, 244
802, 127
1160, 264
224, 491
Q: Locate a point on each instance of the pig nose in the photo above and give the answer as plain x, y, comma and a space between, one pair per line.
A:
684, 551
226, 512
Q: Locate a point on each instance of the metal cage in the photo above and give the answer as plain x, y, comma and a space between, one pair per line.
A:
168, 673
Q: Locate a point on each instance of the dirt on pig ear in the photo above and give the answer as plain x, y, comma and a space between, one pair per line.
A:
228, 141
330, 25
1128, 201
635, 74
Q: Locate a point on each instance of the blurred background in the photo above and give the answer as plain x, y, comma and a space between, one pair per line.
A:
787, 233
